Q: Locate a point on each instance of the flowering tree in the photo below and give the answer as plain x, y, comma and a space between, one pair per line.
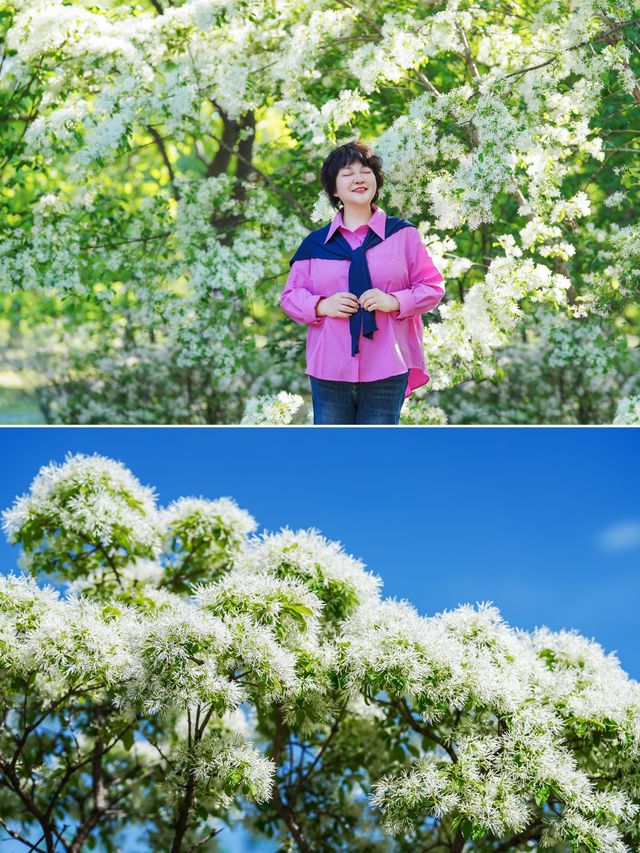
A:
161, 167
180, 673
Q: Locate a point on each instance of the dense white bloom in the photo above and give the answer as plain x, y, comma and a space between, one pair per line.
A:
231, 757
24, 601
496, 771
390, 647
587, 686
490, 313
290, 650
425, 786
615, 199
322, 210
200, 518
285, 603
178, 657
88, 496
201, 536
278, 408
417, 411
118, 80
628, 411
338, 579
257, 648
75, 643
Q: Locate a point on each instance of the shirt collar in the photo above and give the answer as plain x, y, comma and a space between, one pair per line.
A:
377, 223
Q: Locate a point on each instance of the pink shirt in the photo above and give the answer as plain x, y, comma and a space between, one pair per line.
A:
400, 265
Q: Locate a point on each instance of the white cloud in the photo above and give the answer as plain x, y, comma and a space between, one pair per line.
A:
622, 536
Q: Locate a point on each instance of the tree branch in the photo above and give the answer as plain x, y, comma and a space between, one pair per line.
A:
30, 844
45, 823
304, 777
283, 810
159, 141
293, 201
406, 714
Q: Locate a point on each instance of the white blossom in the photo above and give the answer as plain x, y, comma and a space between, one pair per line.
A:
628, 411
290, 652
279, 408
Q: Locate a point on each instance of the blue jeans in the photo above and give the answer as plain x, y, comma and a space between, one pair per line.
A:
376, 402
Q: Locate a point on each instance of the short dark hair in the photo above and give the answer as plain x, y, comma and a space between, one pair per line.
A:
343, 156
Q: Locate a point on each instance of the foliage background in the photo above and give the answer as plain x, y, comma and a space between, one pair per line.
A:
160, 165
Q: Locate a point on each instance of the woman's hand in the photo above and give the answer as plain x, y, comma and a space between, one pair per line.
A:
378, 300
338, 305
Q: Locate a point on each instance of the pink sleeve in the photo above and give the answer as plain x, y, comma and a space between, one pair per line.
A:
296, 299
426, 287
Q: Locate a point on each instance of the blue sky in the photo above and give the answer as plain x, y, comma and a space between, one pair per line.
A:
544, 522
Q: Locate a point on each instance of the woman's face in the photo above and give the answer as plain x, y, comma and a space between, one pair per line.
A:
353, 178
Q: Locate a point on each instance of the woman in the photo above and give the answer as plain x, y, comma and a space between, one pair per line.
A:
361, 284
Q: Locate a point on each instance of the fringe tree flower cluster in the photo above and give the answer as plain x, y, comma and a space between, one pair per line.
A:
230, 676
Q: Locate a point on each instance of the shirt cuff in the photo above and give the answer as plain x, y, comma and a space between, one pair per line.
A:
407, 303
310, 316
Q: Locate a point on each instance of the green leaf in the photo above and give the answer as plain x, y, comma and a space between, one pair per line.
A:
301, 608
466, 828
478, 833
542, 795
127, 739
